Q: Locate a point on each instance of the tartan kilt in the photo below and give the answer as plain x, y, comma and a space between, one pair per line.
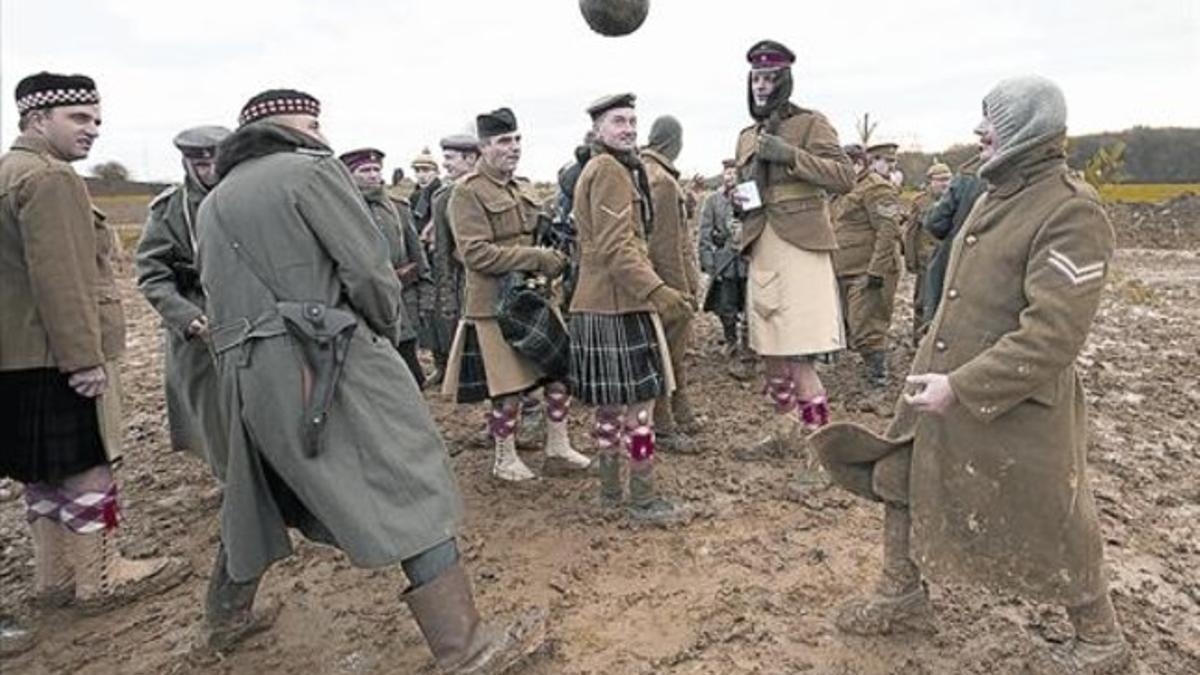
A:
472, 377
533, 328
616, 359
47, 431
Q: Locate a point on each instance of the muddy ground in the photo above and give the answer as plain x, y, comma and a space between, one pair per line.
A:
749, 587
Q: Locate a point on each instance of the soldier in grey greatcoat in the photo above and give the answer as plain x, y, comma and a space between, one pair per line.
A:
328, 432
170, 281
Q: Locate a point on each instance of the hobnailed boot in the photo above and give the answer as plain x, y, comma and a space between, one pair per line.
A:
900, 601
1098, 647
646, 505
105, 579
460, 642
54, 580
684, 416
561, 458
507, 465
876, 368
669, 437
612, 490
784, 433
229, 617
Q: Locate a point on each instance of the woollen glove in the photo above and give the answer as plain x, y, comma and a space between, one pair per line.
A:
550, 262
671, 305
772, 148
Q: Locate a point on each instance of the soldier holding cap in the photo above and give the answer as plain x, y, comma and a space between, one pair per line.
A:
792, 159
919, 244
620, 360
493, 215
405, 252
868, 256
328, 431
460, 153
62, 330
170, 281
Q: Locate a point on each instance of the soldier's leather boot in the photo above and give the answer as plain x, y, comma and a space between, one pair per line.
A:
646, 505
461, 643
681, 411
54, 580
612, 490
669, 437
229, 614
105, 579
900, 601
1098, 647
876, 368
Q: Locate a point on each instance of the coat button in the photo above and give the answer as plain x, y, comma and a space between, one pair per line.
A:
971, 239
952, 293
941, 345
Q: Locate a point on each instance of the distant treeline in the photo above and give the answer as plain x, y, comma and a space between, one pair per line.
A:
1152, 155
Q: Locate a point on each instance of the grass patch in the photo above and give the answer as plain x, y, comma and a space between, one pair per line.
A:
1146, 193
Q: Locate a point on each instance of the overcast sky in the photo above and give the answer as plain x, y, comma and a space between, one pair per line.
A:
399, 74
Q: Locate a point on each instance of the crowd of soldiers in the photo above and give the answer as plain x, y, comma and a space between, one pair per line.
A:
297, 293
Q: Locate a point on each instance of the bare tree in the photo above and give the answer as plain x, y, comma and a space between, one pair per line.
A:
865, 128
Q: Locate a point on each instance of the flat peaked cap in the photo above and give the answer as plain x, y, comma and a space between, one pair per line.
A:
360, 156
938, 170
200, 142
606, 103
279, 102
461, 142
496, 122
770, 54
883, 150
49, 90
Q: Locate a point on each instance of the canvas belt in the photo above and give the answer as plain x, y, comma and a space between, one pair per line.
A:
791, 190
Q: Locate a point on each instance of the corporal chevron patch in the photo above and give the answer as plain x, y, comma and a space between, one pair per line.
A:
614, 214
1076, 274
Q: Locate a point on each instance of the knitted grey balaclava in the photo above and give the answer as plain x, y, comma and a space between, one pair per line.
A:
666, 136
1026, 112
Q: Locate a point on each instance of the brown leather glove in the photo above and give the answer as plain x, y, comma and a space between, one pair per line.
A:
670, 304
772, 148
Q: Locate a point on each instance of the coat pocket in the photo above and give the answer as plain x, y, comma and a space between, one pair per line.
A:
505, 214
767, 292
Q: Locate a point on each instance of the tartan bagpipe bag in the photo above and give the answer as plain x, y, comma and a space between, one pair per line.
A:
529, 324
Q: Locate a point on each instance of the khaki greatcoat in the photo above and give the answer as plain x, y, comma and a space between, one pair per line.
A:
998, 486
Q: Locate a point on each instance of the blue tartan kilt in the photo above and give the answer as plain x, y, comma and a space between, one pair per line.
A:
615, 359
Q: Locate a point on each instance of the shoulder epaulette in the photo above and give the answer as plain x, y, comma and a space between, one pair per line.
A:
162, 197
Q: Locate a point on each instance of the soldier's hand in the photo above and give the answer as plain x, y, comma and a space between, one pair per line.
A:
407, 273
671, 305
772, 148
874, 283
935, 396
198, 327
89, 382
551, 262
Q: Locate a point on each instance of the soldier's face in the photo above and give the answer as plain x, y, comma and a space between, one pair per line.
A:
729, 176
503, 152
424, 175
986, 131
883, 166
70, 129
205, 171
304, 123
938, 185
457, 163
367, 175
762, 85
617, 128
